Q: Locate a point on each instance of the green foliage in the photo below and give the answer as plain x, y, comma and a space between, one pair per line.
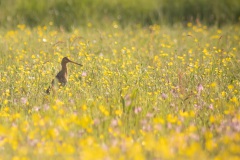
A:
68, 13
211, 12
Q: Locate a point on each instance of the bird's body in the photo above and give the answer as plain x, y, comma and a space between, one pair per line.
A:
61, 77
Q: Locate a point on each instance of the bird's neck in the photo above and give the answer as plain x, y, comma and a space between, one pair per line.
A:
64, 68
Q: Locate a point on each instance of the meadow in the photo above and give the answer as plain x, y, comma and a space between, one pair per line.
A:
144, 92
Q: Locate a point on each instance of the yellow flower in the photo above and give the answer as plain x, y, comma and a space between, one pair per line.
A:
84, 107
65, 148
211, 145
223, 94
230, 87
213, 84
118, 112
171, 118
21, 26
189, 24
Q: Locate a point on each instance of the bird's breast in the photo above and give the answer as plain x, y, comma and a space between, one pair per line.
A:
62, 78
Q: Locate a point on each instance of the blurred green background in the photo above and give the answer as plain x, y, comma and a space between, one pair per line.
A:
68, 13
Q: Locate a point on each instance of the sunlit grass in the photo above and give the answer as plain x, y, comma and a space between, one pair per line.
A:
142, 93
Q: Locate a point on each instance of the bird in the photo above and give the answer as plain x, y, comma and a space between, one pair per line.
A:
61, 77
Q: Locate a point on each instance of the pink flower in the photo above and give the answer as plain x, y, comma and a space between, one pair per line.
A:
24, 100
164, 96
137, 110
127, 100
199, 88
114, 123
36, 108
96, 121
149, 115
210, 106
46, 107
84, 74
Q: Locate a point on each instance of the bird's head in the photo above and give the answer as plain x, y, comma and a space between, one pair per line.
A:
65, 60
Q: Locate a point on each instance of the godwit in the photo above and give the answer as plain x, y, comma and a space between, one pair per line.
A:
62, 75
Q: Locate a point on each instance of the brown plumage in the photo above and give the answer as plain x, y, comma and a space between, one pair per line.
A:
62, 75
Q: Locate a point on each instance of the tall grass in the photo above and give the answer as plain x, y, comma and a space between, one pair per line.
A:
142, 93
74, 12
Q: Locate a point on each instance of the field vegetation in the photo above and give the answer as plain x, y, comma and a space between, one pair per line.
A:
68, 13
149, 88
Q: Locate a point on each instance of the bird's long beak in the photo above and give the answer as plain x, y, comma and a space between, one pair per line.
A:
75, 63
